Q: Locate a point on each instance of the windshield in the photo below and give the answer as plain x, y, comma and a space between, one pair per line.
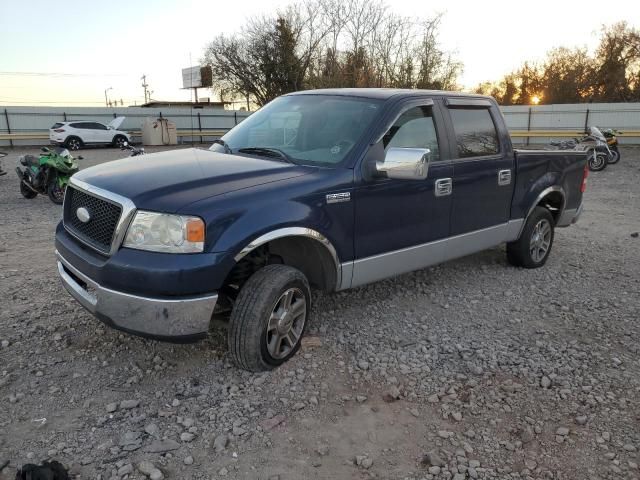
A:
309, 129
595, 131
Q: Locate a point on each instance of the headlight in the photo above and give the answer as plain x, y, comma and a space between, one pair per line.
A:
161, 232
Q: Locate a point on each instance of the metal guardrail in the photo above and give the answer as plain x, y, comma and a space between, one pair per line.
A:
219, 133
45, 135
564, 133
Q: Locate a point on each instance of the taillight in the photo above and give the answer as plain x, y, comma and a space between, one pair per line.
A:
583, 187
59, 130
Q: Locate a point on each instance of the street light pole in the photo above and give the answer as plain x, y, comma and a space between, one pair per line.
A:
106, 100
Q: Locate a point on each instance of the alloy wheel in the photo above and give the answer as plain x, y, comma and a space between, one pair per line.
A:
286, 323
540, 240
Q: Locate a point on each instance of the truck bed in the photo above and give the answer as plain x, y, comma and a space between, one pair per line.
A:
564, 168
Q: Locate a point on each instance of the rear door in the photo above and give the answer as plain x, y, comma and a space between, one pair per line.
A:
483, 168
79, 129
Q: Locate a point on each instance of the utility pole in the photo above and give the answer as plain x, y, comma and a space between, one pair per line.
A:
106, 99
147, 94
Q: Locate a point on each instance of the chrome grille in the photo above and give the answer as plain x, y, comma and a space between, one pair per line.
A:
99, 231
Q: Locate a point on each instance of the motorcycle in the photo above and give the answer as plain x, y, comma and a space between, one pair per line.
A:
595, 143
612, 141
47, 174
134, 151
2, 172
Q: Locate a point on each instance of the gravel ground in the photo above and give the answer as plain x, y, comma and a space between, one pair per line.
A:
471, 369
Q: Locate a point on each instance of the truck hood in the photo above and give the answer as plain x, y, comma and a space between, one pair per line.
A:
168, 181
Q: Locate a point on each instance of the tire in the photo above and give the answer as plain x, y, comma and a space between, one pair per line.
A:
527, 251
55, 192
26, 191
597, 162
73, 143
615, 156
257, 338
118, 141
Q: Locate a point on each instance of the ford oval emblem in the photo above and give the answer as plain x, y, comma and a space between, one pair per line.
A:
83, 215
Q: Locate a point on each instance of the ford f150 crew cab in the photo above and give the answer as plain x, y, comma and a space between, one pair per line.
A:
330, 189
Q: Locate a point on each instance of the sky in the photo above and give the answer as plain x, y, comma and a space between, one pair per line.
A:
69, 53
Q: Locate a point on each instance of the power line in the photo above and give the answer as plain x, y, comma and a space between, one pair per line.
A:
60, 74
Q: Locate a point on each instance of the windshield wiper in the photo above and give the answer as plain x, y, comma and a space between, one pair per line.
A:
227, 148
268, 152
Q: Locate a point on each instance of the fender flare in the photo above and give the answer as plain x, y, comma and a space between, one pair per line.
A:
294, 232
541, 196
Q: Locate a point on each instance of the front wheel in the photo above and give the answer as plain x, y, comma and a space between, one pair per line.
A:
269, 318
55, 192
119, 141
615, 156
597, 162
532, 249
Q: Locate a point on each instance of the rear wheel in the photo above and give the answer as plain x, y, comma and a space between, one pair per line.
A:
532, 249
73, 143
269, 318
26, 191
55, 192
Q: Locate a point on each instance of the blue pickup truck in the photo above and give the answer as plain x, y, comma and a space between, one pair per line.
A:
330, 189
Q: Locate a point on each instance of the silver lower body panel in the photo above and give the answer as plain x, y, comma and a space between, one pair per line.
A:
166, 318
569, 216
378, 267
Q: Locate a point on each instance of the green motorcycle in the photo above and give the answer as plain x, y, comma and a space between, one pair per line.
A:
47, 174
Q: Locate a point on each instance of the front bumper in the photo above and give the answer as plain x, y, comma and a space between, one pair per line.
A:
171, 319
569, 216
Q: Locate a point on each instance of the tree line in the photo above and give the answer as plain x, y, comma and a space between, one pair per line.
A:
330, 43
362, 43
573, 75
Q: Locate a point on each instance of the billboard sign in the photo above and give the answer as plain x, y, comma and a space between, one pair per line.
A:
196, 77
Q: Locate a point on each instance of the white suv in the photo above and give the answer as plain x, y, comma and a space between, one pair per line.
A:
75, 135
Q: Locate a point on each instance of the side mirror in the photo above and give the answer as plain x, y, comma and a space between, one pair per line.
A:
405, 163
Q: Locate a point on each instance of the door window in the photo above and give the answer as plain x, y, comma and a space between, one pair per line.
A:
415, 128
475, 131
97, 126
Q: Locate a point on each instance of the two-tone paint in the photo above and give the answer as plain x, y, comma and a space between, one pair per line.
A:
370, 227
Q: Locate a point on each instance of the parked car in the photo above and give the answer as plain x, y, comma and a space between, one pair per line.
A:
330, 189
75, 135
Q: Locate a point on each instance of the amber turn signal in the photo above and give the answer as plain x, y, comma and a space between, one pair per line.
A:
195, 230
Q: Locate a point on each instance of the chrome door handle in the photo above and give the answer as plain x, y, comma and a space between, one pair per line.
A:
504, 177
443, 186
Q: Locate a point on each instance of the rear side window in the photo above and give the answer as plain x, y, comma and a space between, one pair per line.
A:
475, 131
57, 125
414, 129
78, 125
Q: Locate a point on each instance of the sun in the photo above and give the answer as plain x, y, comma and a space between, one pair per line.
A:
535, 100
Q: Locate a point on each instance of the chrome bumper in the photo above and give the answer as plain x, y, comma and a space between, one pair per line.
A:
163, 318
569, 217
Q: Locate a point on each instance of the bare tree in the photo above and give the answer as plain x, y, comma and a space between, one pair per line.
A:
331, 43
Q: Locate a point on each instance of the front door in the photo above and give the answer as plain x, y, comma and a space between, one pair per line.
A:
398, 222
